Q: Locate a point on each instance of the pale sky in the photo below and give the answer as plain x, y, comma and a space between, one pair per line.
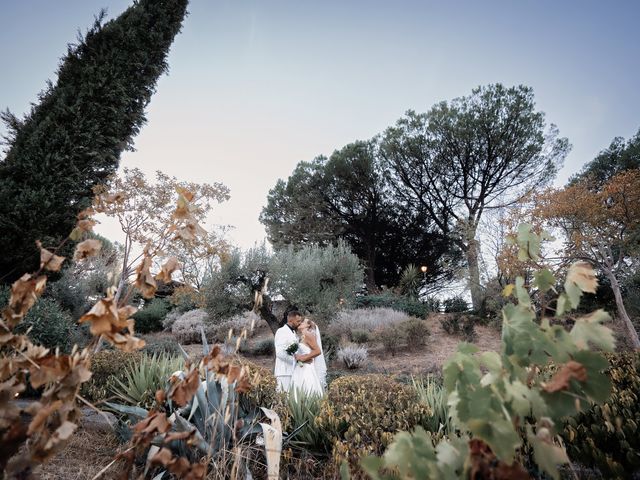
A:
257, 86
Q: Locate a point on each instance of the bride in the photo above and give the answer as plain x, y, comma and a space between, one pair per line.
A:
310, 369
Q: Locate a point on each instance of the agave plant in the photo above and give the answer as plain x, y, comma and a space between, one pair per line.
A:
222, 426
141, 380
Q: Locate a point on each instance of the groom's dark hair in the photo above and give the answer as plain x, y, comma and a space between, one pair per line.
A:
293, 313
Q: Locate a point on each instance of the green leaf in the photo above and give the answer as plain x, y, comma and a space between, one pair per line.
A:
544, 280
521, 293
498, 433
547, 455
528, 243
370, 464
573, 294
411, 454
525, 400
562, 305
590, 329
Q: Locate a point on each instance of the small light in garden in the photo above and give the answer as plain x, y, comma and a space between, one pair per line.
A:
423, 268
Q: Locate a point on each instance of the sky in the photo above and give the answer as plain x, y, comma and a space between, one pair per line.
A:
256, 86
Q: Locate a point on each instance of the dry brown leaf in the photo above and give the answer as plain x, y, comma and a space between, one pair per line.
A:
41, 415
179, 466
24, 294
182, 391
561, 380
483, 463
108, 320
155, 423
144, 279
87, 249
170, 266
48, 260
104, 317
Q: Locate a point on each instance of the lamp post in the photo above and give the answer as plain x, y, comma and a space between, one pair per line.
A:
423, 269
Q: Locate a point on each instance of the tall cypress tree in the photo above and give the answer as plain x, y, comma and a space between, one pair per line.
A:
73, 138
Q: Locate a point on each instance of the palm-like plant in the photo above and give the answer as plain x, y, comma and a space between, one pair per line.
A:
410, 281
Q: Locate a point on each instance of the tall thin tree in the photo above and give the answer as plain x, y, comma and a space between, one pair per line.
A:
73, 138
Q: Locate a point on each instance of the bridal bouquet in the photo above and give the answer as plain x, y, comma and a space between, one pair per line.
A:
292, 349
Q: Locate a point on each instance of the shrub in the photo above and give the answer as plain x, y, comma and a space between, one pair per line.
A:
150, 317
170, 319
367, 319
48, 325
360, 336
187, 328
392, 337
455, 304
140, 380
242, 321
353, 356
362, 413
457, 324
409, 306
416, 331
167, 346
263, 347
330, 344
105, 365
608, 436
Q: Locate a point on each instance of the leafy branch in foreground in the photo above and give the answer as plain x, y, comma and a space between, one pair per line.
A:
54, 417
502, 400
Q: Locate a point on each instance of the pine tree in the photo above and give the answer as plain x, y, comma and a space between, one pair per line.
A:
73, 137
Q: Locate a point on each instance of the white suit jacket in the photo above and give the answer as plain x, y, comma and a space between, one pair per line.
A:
284, 362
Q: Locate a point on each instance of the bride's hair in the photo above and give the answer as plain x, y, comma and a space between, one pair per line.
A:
312, 324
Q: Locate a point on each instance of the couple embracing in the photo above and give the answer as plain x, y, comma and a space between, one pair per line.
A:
300, 363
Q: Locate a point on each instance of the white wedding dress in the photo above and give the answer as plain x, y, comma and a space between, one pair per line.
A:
305, 376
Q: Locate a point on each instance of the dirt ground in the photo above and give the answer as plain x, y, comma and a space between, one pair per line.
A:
85, 455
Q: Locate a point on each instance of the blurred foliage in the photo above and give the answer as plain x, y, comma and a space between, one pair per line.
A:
607, 436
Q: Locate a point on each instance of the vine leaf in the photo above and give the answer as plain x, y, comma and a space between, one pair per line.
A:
590, 328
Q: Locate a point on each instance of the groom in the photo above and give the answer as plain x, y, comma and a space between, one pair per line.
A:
285, 336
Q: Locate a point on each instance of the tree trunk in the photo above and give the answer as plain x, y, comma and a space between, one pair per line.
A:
369, 271
266, 313
474, 270
622, 311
